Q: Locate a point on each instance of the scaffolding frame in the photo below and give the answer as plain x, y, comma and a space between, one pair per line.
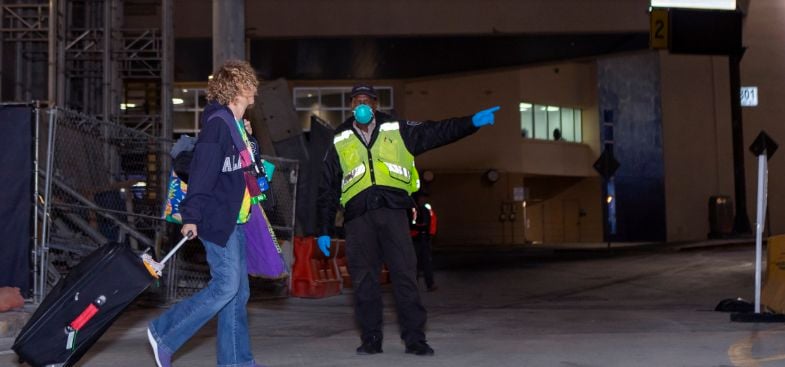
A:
76, 54
85, 54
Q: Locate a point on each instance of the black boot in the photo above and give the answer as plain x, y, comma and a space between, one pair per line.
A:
420, 348
370, 345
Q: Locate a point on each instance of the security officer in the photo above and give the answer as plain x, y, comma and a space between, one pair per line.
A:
370, 171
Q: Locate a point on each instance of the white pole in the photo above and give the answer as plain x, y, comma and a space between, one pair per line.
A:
759, 220
174, 250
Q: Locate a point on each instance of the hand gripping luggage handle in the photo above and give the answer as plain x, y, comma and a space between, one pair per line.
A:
176, 247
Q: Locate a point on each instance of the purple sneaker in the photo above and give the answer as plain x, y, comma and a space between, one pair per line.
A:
162, 357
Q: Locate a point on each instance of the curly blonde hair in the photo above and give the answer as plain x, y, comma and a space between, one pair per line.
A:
230, 80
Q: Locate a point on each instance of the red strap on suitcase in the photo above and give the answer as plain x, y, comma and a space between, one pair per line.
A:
87, 313
84, 317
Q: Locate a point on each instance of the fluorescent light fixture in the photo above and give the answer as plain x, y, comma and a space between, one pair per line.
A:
695, 4
553, 108
525, 107
125, 106
177, 101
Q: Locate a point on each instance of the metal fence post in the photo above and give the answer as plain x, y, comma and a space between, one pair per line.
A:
36, 249
44, 247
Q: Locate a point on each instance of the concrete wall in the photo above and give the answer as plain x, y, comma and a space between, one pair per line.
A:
697, 140
762, 66
559, 175
565, 209
631, 120
450, 96
696, 125
565, 84
574, 214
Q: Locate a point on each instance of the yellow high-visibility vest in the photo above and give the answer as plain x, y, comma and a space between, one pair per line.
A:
386, 163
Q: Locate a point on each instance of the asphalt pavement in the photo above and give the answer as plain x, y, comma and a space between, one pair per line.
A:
642, 305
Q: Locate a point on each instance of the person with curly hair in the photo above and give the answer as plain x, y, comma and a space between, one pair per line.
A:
221, 189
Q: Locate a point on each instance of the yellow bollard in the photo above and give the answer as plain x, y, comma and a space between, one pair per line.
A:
773, 293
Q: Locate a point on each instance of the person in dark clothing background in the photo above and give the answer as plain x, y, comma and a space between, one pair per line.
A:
421, 230
370, 171
557, 134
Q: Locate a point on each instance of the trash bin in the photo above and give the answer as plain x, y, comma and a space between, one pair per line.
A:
720, 216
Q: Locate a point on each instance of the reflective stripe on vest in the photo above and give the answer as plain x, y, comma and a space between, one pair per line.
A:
386, 163
358, 171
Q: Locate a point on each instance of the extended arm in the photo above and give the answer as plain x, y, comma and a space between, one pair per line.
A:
421, 137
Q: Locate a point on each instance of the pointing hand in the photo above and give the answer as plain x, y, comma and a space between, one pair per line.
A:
484, 117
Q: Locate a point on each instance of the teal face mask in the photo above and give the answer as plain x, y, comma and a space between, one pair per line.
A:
363, 114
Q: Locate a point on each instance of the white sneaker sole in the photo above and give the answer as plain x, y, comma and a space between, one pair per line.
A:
154, 344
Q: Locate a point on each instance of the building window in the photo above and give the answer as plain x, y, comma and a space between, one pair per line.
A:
540, 122
527, 120
329, 103
545, 122
332, 104
188, 105
554, 123
568, 124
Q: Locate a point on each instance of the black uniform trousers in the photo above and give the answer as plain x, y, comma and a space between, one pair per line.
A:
382, 235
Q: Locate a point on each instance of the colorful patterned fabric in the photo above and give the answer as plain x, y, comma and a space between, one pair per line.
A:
176, 194
252, 196
240, 140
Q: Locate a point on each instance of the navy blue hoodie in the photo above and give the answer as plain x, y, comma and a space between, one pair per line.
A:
216, 185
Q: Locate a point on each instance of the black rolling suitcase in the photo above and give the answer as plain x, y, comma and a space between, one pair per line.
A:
82, 306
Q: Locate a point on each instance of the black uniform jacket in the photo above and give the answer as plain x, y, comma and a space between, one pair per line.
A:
418, 137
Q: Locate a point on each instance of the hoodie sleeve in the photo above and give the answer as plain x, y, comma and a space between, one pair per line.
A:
205, 168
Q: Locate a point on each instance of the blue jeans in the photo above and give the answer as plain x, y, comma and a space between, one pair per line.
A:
225, 295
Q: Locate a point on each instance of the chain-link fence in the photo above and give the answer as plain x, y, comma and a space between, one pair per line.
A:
102, 182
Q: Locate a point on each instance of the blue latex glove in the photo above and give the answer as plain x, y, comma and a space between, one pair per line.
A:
484, 117
324, 244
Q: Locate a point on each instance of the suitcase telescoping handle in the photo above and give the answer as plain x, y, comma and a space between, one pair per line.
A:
176, 247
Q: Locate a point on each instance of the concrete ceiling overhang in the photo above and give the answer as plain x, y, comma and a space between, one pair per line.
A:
403, 57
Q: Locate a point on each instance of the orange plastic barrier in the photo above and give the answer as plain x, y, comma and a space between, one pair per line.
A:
313, 274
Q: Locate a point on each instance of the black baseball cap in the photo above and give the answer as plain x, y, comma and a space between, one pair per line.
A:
366, 89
